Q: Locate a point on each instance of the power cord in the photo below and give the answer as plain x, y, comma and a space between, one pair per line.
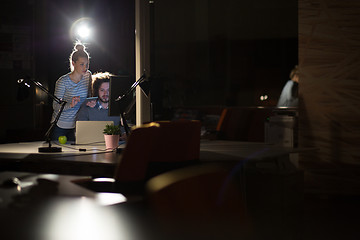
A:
82, 149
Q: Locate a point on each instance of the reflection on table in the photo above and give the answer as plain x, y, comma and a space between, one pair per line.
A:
50, 206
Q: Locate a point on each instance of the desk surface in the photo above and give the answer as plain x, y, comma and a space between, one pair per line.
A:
96, 161
235, 150
24, 156
67, 149
50, 206
32, 183
231, 148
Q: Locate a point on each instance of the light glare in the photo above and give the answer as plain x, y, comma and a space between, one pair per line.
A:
84, 31
263, 97
84, 219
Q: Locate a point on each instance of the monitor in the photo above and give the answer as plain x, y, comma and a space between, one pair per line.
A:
120, 85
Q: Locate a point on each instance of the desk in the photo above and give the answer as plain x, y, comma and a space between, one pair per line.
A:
98, 162
31, 186
24, 156
50, 207
254, 154
26, 148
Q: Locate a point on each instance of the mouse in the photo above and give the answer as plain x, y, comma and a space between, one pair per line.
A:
11, 182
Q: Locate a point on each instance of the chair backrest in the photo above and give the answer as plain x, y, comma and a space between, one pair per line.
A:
135, 156
178, 141
199, 196
165, 145
243, 123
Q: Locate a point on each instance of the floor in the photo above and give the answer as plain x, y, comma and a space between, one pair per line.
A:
331, 202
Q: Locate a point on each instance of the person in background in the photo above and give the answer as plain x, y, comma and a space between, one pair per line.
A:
73, 87
98, 109
289, 95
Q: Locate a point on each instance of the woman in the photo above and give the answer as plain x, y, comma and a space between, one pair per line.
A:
73, 88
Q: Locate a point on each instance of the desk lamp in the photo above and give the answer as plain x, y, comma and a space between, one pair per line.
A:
53, 124
123, 101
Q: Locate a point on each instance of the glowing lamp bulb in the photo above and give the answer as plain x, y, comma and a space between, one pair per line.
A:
83, 31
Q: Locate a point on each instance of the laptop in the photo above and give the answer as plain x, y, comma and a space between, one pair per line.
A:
90, 132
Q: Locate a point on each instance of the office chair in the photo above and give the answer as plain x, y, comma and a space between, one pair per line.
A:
152, 149
178, 146
204, 200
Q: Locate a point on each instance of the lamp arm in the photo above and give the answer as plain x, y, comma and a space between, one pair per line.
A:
53, 124
131, 89
39, 85
58, 100
120, 99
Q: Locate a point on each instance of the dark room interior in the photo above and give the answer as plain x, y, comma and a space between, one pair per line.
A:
242, 167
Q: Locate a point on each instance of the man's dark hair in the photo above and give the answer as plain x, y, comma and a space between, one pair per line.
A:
98, 79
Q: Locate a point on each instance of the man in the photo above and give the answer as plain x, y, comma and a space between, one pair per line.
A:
289, 95
97, 110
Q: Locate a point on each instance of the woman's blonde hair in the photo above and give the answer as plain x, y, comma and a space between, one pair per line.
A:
78, 52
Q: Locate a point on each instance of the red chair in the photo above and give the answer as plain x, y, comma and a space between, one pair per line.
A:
157, 147
137, 153
178, 146
178, 141
199, 201
150, 150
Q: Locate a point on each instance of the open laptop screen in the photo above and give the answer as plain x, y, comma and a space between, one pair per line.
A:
90, 132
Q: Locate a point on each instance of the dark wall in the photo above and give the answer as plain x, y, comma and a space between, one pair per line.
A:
16, 60
329, 57
223, 52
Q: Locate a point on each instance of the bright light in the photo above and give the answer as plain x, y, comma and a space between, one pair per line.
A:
106, 199
74, 219
103, 179
264, 97
83, 31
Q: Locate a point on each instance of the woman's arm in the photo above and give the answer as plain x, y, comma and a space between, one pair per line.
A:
60, 89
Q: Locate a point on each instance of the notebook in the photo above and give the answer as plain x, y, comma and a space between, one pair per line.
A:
90, 132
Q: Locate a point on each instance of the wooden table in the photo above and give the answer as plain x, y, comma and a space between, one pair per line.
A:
73, 160
96, 161
51, 206
251, 154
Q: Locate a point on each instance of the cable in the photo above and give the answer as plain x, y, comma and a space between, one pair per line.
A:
82, 149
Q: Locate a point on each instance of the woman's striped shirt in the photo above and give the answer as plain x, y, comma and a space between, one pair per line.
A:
66, 89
